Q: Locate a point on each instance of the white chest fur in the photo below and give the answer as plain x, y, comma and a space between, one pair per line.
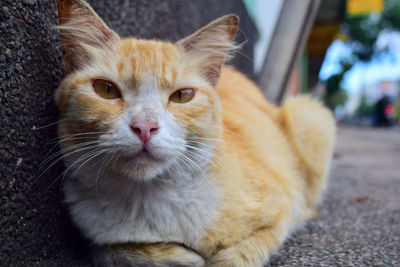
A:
177, 209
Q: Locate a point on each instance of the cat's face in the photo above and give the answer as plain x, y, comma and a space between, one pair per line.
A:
144, 103
138, 107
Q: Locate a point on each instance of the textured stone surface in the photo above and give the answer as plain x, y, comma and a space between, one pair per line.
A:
359, 221
34, 227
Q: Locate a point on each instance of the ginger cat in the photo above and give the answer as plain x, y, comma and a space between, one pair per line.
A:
175, 159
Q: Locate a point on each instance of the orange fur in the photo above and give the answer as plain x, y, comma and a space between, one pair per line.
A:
270, 163
120, 68
263, 173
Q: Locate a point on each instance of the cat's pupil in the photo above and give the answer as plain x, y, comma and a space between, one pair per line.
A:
182, 95
185, 94
108, 87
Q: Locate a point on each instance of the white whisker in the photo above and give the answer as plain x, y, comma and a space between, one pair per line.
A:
78, 160
34, 128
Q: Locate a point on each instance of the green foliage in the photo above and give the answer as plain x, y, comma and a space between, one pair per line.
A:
335, 95
365, 109
391, 15
340, 98
363, 31
397, 110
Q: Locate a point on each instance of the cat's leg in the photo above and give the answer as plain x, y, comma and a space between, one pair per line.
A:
144, 255
254, 251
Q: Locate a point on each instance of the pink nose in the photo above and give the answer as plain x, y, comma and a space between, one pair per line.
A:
144, 130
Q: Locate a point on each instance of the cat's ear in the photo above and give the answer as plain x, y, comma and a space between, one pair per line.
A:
81, 28
210, 45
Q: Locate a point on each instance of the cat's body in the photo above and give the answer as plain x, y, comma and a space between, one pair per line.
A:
170, 176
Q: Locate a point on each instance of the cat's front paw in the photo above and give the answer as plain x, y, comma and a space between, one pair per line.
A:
230, 257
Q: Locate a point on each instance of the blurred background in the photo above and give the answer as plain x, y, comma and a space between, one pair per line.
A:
345, 52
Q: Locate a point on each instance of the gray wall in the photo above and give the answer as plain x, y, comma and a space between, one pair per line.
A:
34, 227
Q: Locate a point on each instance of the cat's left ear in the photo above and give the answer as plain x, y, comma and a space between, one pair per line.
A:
209, 46
80, 28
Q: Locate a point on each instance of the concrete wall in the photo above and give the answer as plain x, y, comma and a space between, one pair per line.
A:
34, 227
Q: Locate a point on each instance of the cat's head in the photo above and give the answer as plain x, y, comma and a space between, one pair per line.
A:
138, 107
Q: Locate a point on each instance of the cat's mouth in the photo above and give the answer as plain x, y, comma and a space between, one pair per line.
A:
144, 153
144, 156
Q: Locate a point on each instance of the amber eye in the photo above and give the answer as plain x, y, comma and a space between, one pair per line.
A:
182, 95
106, 89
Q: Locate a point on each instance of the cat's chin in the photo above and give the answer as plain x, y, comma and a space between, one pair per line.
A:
142, 157
143, 172
142, 166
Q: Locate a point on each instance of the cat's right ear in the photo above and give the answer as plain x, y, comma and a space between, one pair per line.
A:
81, 28
210, 46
